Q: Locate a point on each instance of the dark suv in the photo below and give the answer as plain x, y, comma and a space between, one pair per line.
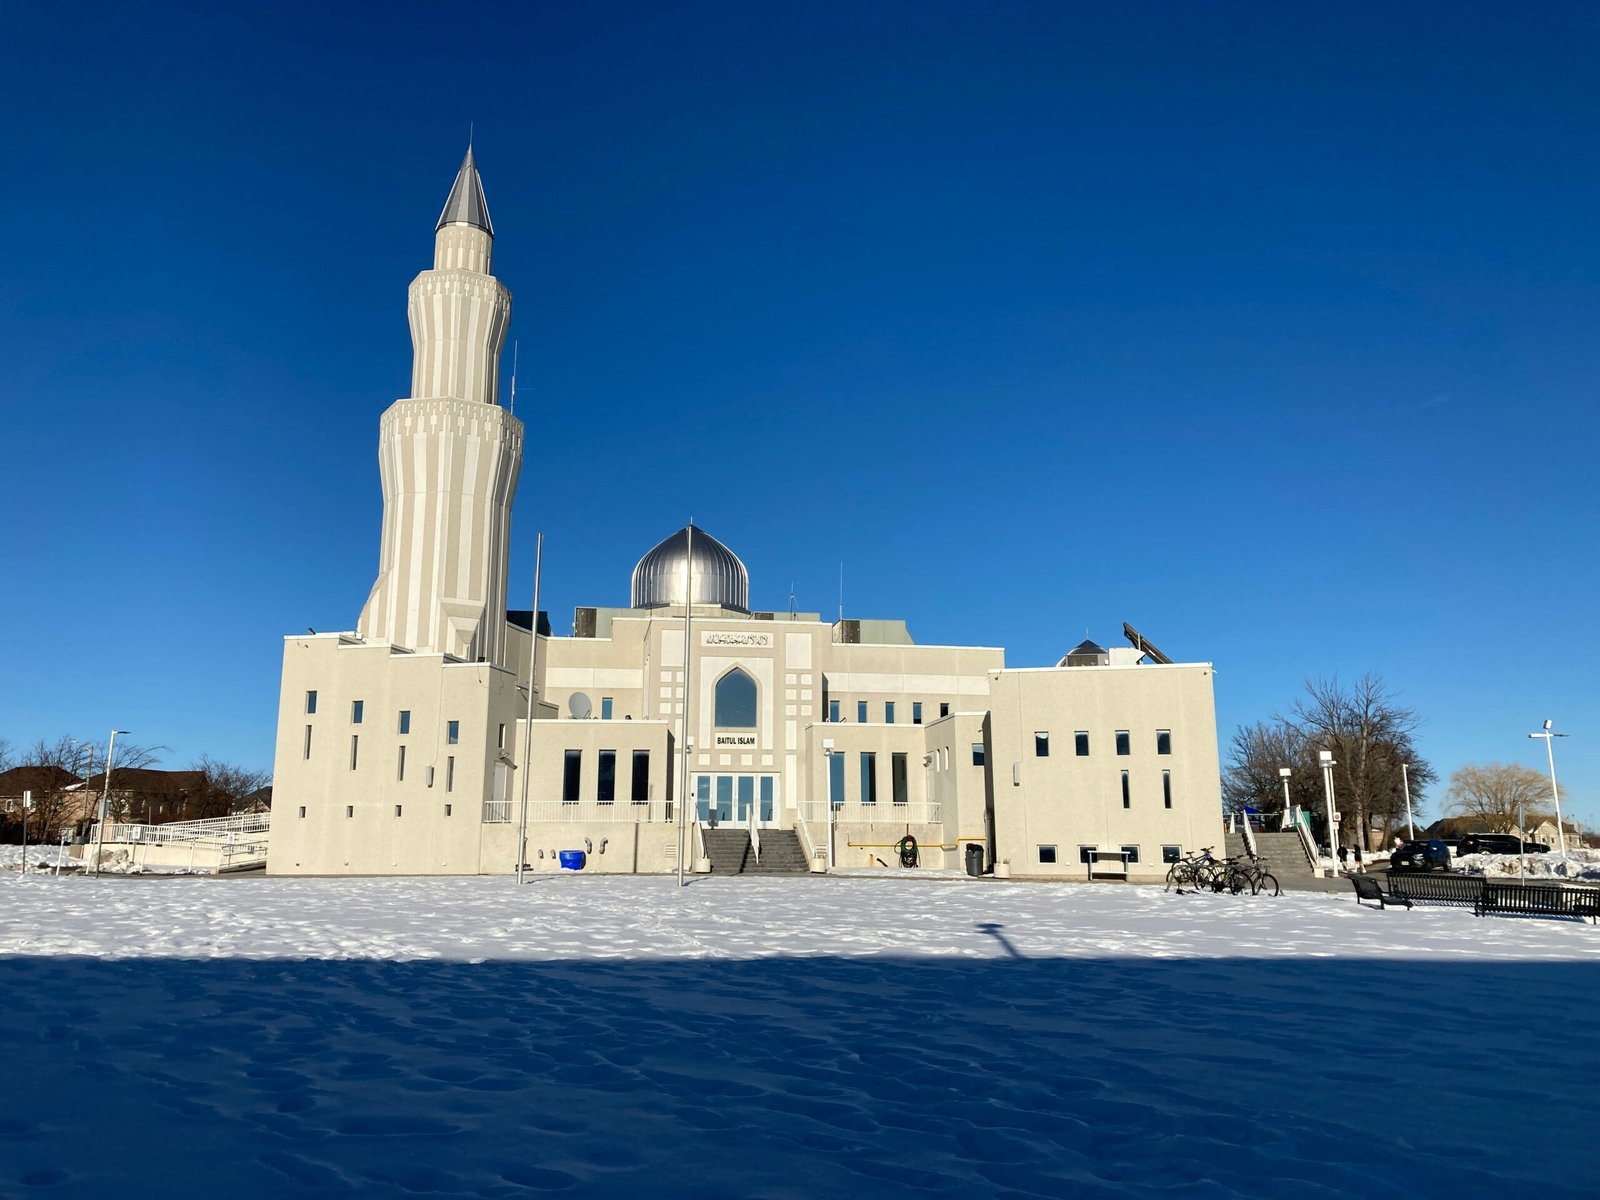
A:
1499, 843
1422, 855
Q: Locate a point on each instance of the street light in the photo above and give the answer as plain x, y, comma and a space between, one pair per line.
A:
1288, 808
1405, 780
1325, 757
105, 800
1555, 792
827, 757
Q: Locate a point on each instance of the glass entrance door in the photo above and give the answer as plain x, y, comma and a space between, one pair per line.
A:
729, 799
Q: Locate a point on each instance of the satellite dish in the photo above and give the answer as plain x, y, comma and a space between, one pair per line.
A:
580, 706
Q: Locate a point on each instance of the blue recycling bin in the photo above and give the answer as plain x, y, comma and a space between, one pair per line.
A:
571, 860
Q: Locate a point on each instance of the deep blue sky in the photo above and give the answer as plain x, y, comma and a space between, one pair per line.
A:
1268, 328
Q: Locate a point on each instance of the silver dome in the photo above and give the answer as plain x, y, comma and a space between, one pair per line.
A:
719, 576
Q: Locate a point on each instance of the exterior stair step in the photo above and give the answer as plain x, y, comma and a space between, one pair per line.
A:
730, 853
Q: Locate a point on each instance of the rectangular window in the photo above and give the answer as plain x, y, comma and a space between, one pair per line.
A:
977, 754
302, 812
1080, 743
1127, 799
1163, 741
1123, 746
897, 779
888, 712
449, 809
311, 703
405, 721
869, 777
429, 775
397, 810
944, 709
836, 780
349, 811
1086, 854
308, 741
702, 792
356, 709
606, 777
861, 712
500, 738
1041, 744
916, 712
605, 708
833, 712
1166, 789
1130, 854
571, 776
450, 773
1047, 855
452, 732
400, 767
641, 777
1171, 854
355, 745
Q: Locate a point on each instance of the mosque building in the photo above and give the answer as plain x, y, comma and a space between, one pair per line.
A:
414, 743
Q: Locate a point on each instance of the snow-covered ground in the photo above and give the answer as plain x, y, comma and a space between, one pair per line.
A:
783, 1038
1578, 865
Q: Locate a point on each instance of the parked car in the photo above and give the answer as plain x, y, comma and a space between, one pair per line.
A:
1424, 854
1499, 843
1454, 843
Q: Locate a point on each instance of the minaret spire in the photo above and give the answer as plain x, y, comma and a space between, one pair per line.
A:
467, 205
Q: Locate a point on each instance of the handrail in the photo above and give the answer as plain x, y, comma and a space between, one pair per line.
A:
1306, 844
699, 844
809, 845
1249, 835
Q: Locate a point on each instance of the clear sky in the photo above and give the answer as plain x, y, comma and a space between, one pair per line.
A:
1271, 329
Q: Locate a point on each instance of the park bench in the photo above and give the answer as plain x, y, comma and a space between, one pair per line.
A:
1107, 864
1428, 888
1539, 900
1367, 889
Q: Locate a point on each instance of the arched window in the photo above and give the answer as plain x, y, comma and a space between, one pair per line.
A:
736, 701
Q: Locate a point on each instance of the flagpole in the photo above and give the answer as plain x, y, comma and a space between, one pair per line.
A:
683, 746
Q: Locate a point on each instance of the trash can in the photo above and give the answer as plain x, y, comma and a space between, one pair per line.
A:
571, 860
974, 859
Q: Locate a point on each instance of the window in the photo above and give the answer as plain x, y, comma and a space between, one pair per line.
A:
888, 712
1127, 801
397, 810
1163, 741
606, 777
1130, 854
1047, 855
311, 703
349, 811
500, 738
448, 809
641, 777
736, 700
1041, 744
977, 754
1122, 742
452, 732
897, 779
1166, 789
356, 709
1080, 743
1086, 854
944, 709
836, 780
605, 708
405, 721
833, 711
302, 812
861, 712
571, 776
450, 773
1171, 854
308, 741
400, 767
355, 745
869, 777
916, 712
429, 775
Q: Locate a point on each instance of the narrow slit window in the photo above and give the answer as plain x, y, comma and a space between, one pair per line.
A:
606, 777
1166, 789
1041, 744
869, 777
397, 810
357, 708
1163, 741
1124, 743
861, 712
888, 712
833, 712
450, 773
977, 754
1080, 743
311, 704
571, 776
452, 732
899, 789
916, 712
449, 809
1127, 795
302, 812
308, 742
355, 748
400, 766
605, 708
405, 721
641, 777
349, 811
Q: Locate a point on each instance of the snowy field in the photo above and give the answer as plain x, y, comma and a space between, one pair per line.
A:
783, 1038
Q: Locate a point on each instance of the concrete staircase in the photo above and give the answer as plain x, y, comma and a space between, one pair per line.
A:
1285, 855
729, 852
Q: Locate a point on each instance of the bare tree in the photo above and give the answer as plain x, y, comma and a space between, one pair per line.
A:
6, 760
223, 787
1255, 756
1498, 795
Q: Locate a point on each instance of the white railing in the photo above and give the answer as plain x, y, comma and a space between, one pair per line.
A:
221, 830
917, 813
803, 828
1308, 846
1249, 836
698, 846
496, 812
755, 835
590, 812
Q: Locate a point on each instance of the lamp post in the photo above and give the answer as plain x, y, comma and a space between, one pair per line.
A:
1288, 806
1405, 781
527, 744
105, 800
1555, 792
827, 757
1325, 757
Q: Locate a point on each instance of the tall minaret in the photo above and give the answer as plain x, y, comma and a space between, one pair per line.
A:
449, 455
